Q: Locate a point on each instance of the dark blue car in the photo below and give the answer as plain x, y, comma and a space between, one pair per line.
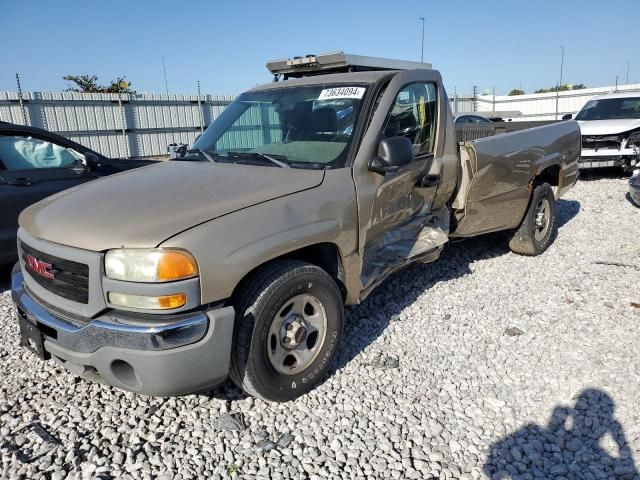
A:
34, 164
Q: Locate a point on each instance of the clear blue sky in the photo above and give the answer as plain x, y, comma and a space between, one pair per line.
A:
492, 43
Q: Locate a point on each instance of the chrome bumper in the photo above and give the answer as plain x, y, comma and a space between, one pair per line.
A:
133, 332
162, 355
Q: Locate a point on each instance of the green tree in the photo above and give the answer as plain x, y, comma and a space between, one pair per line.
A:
83, 83
119, 85
562, 88
89, 84
515, 91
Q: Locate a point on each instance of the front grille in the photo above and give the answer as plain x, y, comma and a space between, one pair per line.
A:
605, 142
70, 279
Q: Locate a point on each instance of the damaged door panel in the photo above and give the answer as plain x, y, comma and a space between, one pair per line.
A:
420, 238
402, 226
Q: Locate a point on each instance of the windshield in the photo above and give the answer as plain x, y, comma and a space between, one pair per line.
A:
610, 109
304, 127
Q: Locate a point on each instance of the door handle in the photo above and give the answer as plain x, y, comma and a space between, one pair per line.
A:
429, 181
21, 182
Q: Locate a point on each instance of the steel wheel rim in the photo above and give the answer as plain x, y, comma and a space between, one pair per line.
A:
542, 219
296, 334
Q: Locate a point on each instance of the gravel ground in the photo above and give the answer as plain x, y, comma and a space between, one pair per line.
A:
484, 364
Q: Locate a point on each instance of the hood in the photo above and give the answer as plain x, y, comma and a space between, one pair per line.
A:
608, 127
145, 206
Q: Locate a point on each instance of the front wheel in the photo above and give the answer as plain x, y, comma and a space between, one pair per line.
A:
289, 318
538, 227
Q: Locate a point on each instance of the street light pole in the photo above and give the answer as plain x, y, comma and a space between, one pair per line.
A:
559, 84
561, 64
422, 42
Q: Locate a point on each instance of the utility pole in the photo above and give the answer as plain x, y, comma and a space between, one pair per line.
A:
494, 99
475, 98
628, 64
455, 99
422, 42
559, 84
24, 111
166, 89
616, 89
200, 110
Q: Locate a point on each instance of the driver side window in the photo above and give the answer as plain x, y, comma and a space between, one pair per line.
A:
414, 115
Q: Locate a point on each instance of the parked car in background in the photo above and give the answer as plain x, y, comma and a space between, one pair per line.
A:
471, 119
34, 164
610, 126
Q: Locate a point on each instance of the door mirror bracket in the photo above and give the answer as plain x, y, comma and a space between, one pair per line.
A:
92, 161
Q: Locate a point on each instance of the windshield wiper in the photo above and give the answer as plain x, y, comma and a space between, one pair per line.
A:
264, 156
210, 156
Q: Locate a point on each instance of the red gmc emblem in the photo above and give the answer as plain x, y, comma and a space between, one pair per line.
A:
38, 266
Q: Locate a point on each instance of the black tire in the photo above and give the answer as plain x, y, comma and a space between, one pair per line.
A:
257, 304
529, 238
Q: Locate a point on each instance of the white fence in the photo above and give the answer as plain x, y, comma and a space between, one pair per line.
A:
143, 125
536, 106
116, 125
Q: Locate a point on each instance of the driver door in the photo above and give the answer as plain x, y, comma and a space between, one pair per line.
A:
400, 203
33, 168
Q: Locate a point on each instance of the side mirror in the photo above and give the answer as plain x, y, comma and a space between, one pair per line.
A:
393, 153
568, 116
92, 161
177, 150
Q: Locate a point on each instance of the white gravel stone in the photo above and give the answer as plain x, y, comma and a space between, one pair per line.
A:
480, 363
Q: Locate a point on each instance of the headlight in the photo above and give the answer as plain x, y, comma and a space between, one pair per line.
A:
149, 265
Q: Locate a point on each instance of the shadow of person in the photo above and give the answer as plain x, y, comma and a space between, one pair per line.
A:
585, 441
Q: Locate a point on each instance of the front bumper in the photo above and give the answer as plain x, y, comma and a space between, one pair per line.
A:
149, 354
593, 159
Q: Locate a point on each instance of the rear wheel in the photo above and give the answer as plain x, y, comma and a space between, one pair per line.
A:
289, 318
536, 232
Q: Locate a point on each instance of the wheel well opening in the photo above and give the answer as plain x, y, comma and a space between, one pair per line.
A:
323, 255
550, 175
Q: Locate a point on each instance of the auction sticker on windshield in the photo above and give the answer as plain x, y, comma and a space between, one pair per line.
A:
341, 92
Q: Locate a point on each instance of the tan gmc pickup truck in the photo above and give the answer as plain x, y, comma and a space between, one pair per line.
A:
304, 195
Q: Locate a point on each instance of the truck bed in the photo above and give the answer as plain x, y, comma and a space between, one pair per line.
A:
496, 174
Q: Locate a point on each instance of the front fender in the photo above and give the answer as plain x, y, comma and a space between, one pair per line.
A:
230, 247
